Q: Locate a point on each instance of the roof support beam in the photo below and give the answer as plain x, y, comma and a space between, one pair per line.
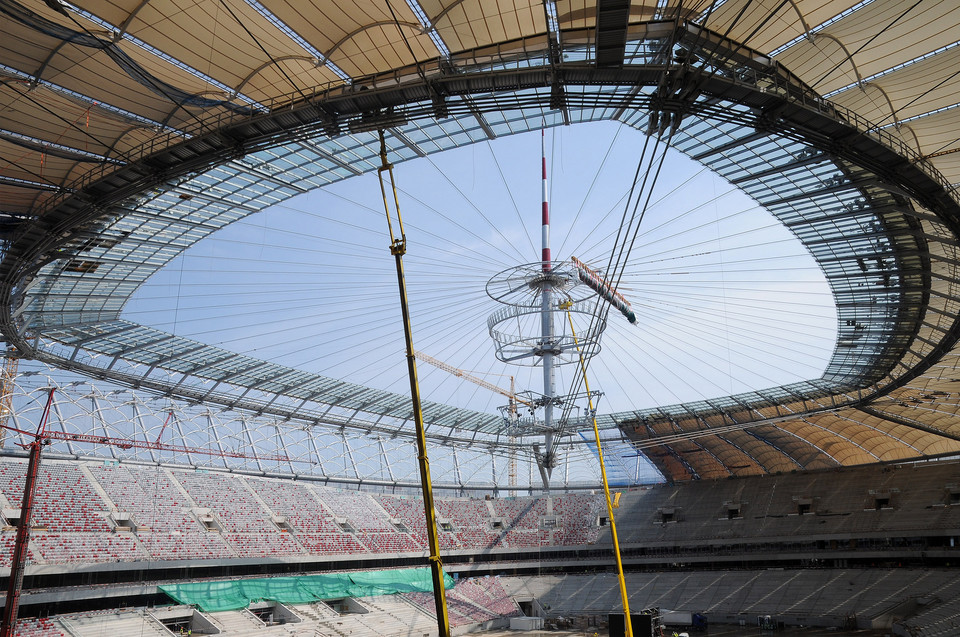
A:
611, 32
262, 174
731, 145
323, 152
484, 125
779, 170
829, 190
396, 132
79, 343
907, 422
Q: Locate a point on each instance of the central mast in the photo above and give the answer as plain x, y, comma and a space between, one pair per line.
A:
546, 325
531, 330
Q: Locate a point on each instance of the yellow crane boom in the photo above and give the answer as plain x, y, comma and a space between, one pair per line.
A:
470, 377
426, 358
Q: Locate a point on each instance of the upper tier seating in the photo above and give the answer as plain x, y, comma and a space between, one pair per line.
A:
65, 501
360, 509
149, 495
97, 512
298, 503
236, 508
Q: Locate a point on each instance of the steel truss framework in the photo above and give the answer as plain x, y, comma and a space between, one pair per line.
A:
171, 432
880, 221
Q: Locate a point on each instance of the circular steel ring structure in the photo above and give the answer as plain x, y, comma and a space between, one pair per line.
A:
520, 285
881, 221
514, 330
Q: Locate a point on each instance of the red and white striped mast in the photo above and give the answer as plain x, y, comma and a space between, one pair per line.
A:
535, 288
547, 345
545, 236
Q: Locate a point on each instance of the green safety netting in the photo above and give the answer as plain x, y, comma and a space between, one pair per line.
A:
303, 589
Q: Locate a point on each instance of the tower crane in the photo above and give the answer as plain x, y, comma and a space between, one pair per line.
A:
18, 563
456, 371
510, 394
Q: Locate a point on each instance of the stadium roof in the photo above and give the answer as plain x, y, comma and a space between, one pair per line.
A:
131, 130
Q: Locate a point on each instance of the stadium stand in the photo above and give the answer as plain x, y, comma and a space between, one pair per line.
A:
389, 611
236, 508
314, 611
148, 494
865, 509
86, 547
938, 614
409, 511
237, 623
39, 627
246, 524
8, 537
120, 622
470, 520
887, 534
359, 509
69, 503
488, 593
393, 542
728, 596
459, 612
330, 544
160, 512
573, 510
521, 520
296, 502
131, 131
134, 513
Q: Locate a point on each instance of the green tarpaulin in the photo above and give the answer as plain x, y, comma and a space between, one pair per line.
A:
234, 595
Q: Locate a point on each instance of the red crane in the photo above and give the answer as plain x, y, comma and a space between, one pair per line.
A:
44, 437
19, 561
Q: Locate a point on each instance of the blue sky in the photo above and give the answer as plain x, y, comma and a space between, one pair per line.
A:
726, 299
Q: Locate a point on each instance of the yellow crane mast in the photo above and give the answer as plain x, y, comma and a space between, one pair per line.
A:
398, 247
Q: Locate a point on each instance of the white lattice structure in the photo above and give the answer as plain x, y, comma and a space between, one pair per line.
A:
225, 439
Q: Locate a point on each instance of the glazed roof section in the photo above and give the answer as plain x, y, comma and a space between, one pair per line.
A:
88, 91
77, 301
